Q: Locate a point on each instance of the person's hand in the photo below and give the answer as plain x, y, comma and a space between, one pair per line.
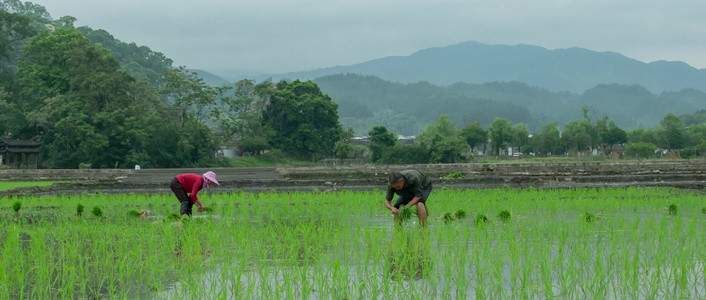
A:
202, 208
394, 210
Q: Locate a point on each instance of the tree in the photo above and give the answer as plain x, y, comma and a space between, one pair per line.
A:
500, 134
577, 135
381, 140
86, 110
520, 136
443, 127
641, 150
186, 93
614, 135
13, 29
674, 131
303, 120
474, 135
547, 140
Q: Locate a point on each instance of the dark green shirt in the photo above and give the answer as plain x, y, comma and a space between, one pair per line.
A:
414, 183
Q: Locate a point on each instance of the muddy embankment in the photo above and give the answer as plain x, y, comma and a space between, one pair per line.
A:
680, 174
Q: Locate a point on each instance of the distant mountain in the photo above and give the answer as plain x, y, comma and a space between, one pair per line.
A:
574, 69
366, 101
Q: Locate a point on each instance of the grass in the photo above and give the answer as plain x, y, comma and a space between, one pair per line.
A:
345, 245
8, 185
269, 160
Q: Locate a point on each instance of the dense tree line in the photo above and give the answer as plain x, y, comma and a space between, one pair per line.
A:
443, 142
91, 105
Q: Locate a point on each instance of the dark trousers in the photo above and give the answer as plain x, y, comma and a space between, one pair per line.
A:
405, 200
178, 190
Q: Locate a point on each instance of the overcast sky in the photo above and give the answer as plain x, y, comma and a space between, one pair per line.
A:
287, 35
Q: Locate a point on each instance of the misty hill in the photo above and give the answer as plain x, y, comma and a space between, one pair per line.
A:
573, 69
365, 101
210, 78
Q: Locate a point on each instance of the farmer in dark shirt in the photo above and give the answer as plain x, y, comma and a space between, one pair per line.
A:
413, 188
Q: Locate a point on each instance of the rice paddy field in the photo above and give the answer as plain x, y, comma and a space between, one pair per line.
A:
629, 243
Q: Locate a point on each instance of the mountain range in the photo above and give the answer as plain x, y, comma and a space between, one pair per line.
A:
573, 69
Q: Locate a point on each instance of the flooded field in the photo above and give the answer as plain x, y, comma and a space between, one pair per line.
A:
573, 244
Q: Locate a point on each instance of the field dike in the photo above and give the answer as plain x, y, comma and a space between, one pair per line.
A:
679, 174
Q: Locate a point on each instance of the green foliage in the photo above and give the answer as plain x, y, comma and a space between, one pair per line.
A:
138, 61
500, 134
381, 141
79, 209
412, 154
133, 213
589, 217
346, 150
303, 120
97, 211
547, 140
641, 150
460, 214
674, 131
474, 135
16, 206
455, 175
578, 135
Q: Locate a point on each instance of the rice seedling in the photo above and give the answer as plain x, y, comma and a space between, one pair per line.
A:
480, 219
589, 217
133, 213
16, 207
79, 209
504, 215
97, 211
448, 217
173, 217
406, 213
672, 209
460, 214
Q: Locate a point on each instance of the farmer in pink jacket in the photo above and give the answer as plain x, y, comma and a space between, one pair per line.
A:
191, 184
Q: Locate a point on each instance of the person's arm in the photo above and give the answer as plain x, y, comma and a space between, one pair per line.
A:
388, 198
195, 199
390, 207
414, 201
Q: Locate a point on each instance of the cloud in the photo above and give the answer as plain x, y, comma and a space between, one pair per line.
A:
286, 35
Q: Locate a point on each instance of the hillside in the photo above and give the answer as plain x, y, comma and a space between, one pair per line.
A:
573, 69
365, 101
